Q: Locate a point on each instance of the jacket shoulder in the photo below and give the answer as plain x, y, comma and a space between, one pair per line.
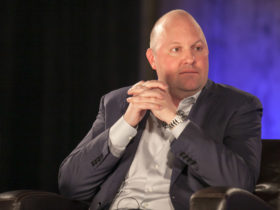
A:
116, 97
234, 95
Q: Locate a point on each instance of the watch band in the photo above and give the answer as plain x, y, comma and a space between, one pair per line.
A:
179, 118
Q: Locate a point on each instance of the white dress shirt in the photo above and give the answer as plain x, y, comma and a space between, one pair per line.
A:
148, 180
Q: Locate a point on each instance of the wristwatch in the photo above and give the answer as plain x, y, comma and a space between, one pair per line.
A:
180, 117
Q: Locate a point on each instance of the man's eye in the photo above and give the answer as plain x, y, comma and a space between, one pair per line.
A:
175, 49
198, 48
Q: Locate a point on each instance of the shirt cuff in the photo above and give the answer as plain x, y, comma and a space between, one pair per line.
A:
120, 135
178, 129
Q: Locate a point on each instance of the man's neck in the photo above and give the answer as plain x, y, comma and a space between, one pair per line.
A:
180, 95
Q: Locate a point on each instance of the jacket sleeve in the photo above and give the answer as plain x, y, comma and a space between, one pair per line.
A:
86, 168
232, 161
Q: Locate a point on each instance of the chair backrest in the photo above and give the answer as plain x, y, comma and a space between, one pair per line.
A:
270, 165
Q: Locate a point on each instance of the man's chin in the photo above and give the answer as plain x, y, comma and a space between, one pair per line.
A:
190, 88
184, 92
191, 85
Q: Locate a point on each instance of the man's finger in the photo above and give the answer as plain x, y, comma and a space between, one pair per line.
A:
141, 99
155, 84
144, 105
149, 93
151, 84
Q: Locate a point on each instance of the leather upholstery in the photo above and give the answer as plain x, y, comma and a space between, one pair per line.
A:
268, 187
267, 192
224, 198
38, 200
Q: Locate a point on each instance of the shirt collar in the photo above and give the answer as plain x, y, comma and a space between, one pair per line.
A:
188, 101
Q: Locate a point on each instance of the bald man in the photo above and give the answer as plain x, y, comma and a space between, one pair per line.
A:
154, 144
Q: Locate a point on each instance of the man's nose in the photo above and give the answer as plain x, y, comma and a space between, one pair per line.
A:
189, 57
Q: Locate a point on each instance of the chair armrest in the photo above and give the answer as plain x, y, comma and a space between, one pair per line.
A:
225, 198
207, 198
34, 200
270, 192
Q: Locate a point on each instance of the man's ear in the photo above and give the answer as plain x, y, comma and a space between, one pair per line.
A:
151, 58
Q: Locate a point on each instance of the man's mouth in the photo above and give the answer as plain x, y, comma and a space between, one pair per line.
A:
188, 72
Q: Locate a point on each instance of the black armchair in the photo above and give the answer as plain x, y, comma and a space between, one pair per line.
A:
266, 195
38, 200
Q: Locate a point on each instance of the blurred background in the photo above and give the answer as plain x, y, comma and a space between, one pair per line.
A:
57, 58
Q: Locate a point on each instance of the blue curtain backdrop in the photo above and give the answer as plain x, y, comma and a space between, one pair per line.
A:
244, 41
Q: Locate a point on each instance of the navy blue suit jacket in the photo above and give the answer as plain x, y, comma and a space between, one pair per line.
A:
220, 146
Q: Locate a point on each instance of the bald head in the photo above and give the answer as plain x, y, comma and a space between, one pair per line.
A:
179, 54
167, 20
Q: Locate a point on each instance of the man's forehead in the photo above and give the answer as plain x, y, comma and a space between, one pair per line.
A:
173, 23
191, 42
178, 24
178, 33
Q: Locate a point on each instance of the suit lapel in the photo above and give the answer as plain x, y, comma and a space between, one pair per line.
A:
196, 115
200, 108
130, 151
132, 146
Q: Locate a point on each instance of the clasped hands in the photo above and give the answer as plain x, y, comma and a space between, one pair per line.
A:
150, 95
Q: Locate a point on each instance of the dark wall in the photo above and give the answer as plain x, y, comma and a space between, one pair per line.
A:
57, 59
